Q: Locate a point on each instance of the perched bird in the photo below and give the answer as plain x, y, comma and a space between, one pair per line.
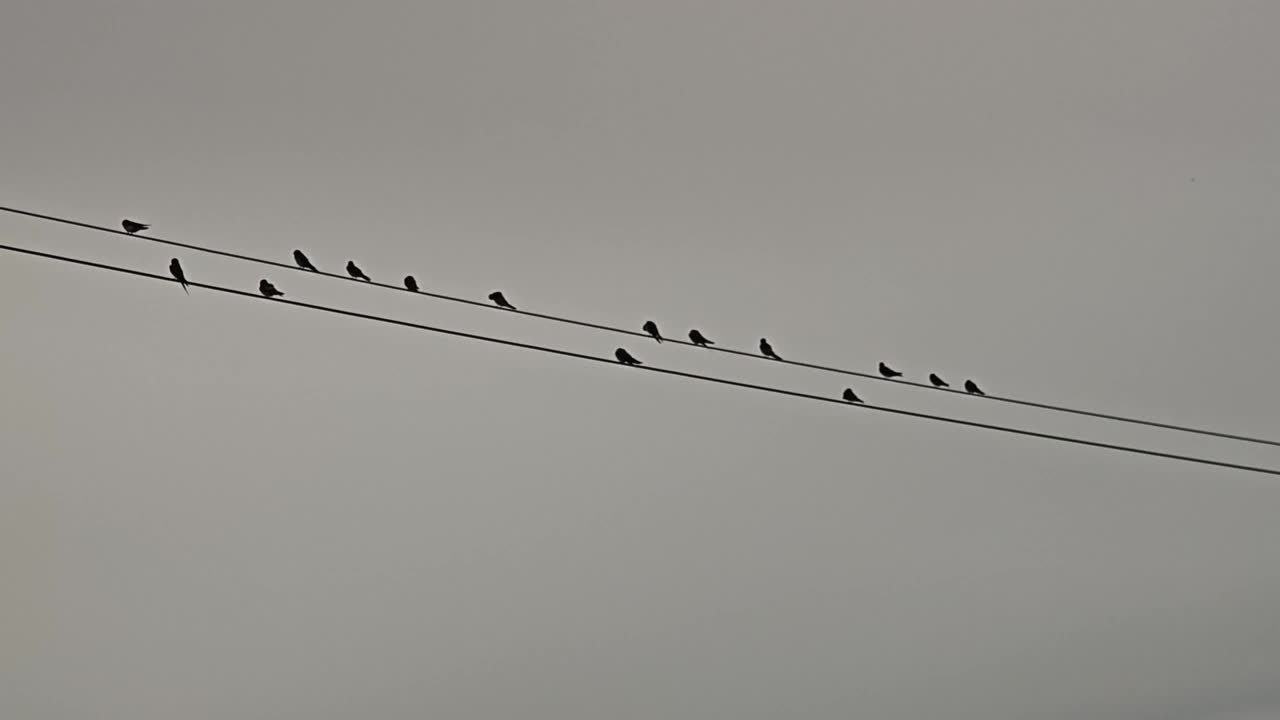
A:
500, 301
175, 269
651, 327
767, 350
303, 262
699, 339
132, 227
889, 372
937, 381
356, 272
971, 387
625, 358
268, 290
850, 396
410, 284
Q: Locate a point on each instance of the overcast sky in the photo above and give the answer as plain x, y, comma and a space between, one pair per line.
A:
215, 507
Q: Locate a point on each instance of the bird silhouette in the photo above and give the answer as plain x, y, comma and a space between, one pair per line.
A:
303, 262
767, 350
699, 339
268, 290
850, 396
937, 381
356, 272
498, 299
625, 358
175, 269
132, 227
972, 388
410, 284
889, 372
651, 327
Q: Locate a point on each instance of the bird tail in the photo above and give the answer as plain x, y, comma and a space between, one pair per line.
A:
184, 288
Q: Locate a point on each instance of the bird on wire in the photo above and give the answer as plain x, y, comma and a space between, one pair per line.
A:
132, 227
651, 327
699, 339
850, 396
889, 372
268, 290
625, 358
355, 272
303, 262
767, 350
175, 269
498, 299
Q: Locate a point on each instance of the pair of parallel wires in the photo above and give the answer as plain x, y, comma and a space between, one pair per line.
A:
646, 368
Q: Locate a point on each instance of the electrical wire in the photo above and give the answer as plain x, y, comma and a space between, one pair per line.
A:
635, 333
648, 368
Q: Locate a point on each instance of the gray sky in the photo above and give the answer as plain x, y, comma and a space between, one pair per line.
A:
219, 508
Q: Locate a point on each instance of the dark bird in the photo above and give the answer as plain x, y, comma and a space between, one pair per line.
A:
500, 301
699, 339
132, 227
356, 272
625, 358
971, 387
850, 396
175, 269
767, 350
889, 372
303, 262
651, 327
410, 284
268, 290
937, 381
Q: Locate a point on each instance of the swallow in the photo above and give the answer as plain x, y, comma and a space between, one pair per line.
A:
937, 381
500, 301
971, 387
889, 372
303, 262
175, 269
356, 272
651, 327
850, 396
268, 290
625, 358
699, 339
132, 227
767, 350
410, 284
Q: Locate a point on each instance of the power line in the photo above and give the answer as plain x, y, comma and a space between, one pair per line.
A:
677, 341
649, 368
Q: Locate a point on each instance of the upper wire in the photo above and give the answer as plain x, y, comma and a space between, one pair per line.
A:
635, 333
